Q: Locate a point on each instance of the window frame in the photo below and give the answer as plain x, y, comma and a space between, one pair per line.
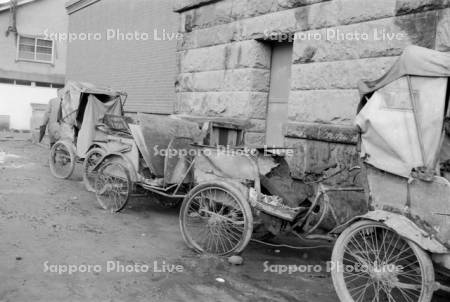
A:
35, 60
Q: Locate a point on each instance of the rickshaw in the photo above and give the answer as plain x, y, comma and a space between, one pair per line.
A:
392, 226
248, 192
400, 248
160, 165
90, 126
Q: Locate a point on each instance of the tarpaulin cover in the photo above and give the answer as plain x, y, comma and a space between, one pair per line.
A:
391, 131
94, 113
415, 61
71, 98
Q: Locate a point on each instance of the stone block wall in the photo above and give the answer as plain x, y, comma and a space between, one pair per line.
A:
224, 62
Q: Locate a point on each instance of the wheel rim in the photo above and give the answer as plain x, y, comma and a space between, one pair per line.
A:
61, 161
113, 186
91, 160
214, 221
390, 269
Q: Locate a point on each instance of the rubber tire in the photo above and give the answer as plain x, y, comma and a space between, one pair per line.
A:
130, 184
71, 151
90, 187
238, 196
338, 253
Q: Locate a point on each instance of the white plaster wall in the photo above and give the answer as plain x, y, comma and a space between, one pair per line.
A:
15, 101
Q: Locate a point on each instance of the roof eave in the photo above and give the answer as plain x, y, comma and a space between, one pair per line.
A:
5, 6
76, 5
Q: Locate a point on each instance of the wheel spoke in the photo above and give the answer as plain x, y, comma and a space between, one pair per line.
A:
394, 267
113, 187
216, 211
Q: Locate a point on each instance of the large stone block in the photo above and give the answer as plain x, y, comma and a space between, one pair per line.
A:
264, 26
250, 8
255, 139
323, 106
211, 15
203, 59
257, 125
443, 31
317, 15
216, 35
248, 79
336, 12
245, 54
354, 11
200, 81
338, 74
227, 104
415, 6
344, 134
248, 54
311, 156
384, 37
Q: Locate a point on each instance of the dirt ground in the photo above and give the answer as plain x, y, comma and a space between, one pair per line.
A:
45, 222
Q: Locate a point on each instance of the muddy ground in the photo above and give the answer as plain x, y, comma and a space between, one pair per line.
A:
46, 222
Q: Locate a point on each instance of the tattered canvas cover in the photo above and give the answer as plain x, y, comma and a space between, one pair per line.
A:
93, 115
390, 138
157, 133
71, 98
416, 61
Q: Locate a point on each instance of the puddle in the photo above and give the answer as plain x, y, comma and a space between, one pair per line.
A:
5, 156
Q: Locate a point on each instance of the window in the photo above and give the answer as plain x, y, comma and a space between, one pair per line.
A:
23, 82
42, 84
6, 81
224, 134
35, 49
57, 86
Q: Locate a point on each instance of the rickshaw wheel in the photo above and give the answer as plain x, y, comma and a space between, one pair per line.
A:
371, 262
113, 186
92, 158
62, 160
216, 219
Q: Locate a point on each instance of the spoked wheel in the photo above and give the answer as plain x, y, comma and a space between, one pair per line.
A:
216, 219
62, 159
89, 176
373, 263
113, 186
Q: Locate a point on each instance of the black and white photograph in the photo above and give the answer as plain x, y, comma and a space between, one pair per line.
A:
225, 150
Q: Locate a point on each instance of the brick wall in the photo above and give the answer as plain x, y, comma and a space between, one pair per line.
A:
227, 36
142, 66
